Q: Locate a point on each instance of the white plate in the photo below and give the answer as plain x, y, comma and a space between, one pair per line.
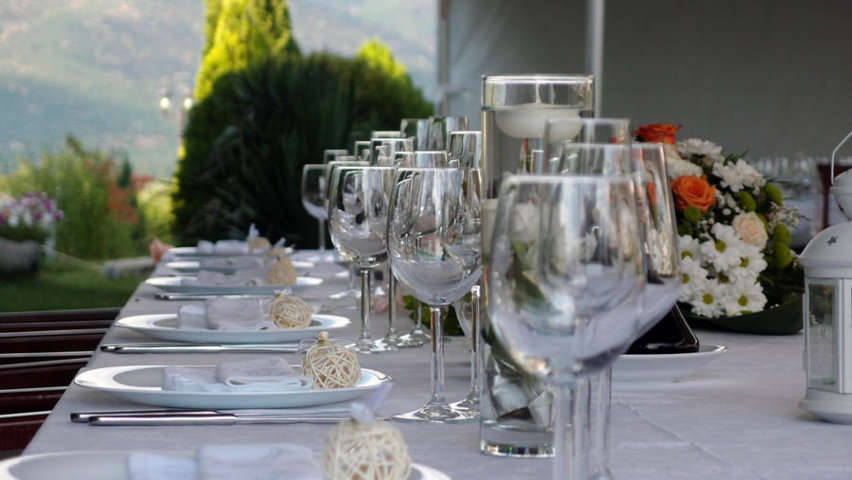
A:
664, 367
174, 285
102, 465
193, 252
143, 384
193, 266
164, 327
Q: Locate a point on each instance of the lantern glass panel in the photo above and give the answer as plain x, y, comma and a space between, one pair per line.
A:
822, 344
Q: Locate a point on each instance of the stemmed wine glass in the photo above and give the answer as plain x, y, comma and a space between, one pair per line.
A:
332, 154
434, 244
353, 292
417, 128
465, 152
357, 212
439, 130
361, 150
315, 201
417, 336
566, 274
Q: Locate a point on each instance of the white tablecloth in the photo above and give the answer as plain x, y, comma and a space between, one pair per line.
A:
736, 418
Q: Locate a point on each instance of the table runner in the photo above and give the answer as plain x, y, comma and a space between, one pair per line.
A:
736, 418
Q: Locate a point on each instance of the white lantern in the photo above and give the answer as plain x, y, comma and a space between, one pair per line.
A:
827, 310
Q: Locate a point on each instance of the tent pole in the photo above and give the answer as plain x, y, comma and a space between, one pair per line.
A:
443, 58
595, 47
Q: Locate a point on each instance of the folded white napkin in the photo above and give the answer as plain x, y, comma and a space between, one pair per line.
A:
192, 317
231, 263
257, 462
255, 375
222, 247
240, 278
228, 462
152, 466
238, 314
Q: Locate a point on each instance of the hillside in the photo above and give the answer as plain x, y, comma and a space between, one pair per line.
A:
96, 68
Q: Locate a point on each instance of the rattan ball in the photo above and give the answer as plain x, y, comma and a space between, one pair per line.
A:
331, 365
282, 272
366, 451
257, 244
290, 312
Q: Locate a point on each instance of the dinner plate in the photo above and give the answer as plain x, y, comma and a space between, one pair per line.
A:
143, 384
105, 465
193, 252
664, 368
193, 266
164, 327
174, 285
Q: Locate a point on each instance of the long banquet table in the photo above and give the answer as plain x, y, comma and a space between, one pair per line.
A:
736, 418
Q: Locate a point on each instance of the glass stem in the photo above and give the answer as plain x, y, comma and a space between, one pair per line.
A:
600, 418
391, 301
419, 323
437, 367
365, 305
570, 436
474, 342
321, 235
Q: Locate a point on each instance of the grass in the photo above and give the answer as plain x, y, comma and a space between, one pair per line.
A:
64, 287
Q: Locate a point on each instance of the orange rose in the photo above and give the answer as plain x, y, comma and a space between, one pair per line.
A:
691, 191
657, 133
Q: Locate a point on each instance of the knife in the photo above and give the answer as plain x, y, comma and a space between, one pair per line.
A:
200, 348
214, 419
84, 417
200, 296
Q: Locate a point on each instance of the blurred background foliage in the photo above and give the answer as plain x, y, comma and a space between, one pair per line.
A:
100, 198
268, 111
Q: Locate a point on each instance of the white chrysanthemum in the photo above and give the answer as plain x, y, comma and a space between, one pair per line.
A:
707, 301
681, 168
723, 251
751, 264
693, 278
746, 297
738, 175
689, 246
696, 146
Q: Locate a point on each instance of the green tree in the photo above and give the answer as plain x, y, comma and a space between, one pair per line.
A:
240, 32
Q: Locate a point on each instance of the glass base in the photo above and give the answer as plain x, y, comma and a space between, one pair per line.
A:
604, 475
435, 413
469, 406
382, 345
417, 337
505, 441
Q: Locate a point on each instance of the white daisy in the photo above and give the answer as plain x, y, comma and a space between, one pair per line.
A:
702, 148
681, 168
722, 251
689, 246
748, 298
751, 264
693, 278
707, 300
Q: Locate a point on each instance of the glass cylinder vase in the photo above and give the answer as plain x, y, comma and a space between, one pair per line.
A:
516, 409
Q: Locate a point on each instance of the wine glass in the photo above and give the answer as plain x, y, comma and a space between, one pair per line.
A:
417, 336
387, 147
357, 212
439, 131
315, 199
566, 274
465, 152
434, 244
361, 150
353, 291
332, 154
417, 128
386, 134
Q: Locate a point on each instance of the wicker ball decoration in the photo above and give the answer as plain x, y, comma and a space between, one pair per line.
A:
281, 272
257, 244
331, 365
290, 312
366, 451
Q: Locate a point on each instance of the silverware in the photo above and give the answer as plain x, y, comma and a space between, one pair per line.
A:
214, 419
84, 417
200, 348
185, 297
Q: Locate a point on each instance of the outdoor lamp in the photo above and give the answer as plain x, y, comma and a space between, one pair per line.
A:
827, 310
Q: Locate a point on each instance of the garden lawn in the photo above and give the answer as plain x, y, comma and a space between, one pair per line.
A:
55, 288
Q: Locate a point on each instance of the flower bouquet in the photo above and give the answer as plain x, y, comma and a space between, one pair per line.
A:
738, 270
30, 217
